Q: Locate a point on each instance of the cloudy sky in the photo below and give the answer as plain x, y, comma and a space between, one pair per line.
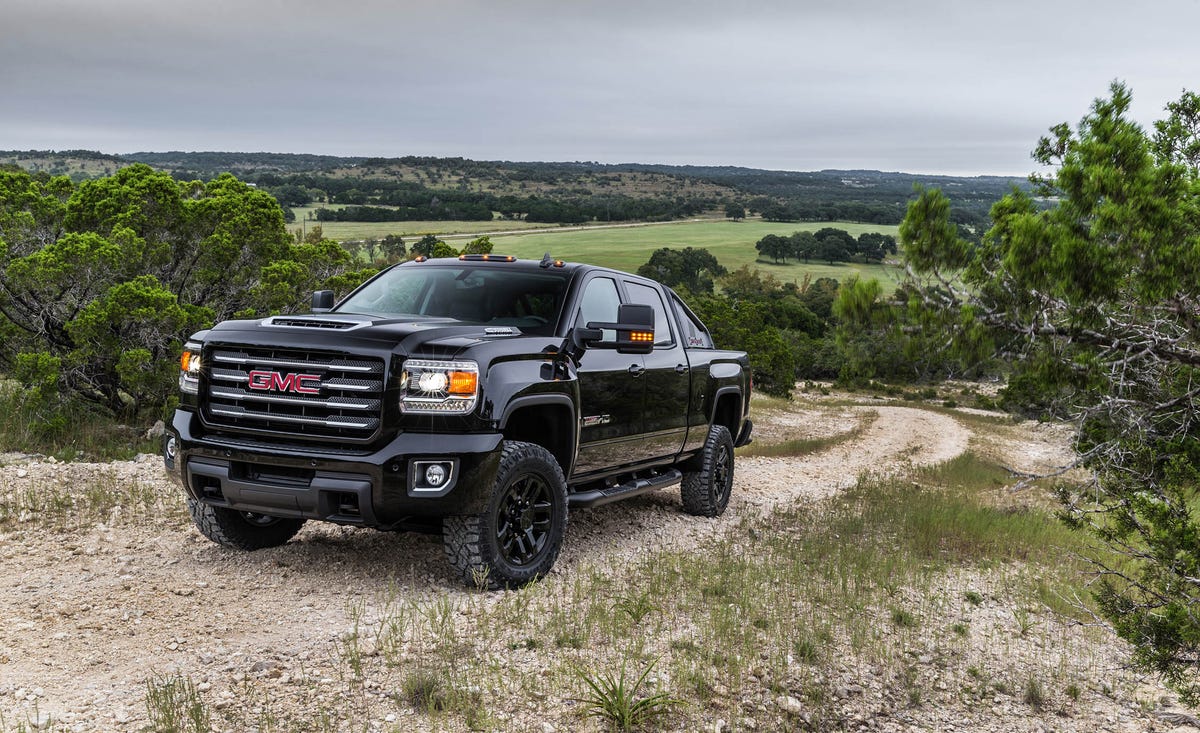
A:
921, 86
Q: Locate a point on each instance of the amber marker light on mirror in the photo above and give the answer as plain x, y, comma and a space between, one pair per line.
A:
642, 336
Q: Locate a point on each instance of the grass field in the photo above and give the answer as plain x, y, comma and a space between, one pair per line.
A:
732, 243
344, 230
627, 247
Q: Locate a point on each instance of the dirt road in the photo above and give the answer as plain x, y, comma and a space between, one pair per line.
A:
91, 612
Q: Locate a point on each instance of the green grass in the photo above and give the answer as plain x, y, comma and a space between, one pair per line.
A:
344, 230
174, 706
67, 507
629, 247
732, 243
782, 604
70, 432
804, 446
614, 699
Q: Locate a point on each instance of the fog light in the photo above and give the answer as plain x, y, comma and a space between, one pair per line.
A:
171, 448
431, 478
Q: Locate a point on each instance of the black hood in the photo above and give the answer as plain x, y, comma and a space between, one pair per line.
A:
340, 331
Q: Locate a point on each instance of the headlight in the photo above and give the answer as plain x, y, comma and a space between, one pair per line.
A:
189, 368
442, 387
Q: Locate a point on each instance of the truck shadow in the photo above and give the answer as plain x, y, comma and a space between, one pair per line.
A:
328, 559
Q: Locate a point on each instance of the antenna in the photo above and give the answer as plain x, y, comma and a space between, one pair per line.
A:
547, 260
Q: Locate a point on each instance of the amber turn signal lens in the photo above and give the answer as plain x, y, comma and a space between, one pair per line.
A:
185, 360
642, 336
463, 383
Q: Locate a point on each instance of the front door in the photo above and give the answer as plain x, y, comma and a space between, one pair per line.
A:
611, 388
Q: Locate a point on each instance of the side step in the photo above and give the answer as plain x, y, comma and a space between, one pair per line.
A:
600, 497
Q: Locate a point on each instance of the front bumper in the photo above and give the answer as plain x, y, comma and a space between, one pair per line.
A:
371, 487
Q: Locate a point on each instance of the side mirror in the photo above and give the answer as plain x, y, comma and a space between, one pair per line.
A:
322, 301
634, 327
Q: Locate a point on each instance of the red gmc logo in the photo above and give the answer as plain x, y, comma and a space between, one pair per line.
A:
265, 381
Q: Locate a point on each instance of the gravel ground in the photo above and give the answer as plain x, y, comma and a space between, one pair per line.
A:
93, 602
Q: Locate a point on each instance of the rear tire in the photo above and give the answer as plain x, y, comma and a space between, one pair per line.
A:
706, 491
518, 536
241, 530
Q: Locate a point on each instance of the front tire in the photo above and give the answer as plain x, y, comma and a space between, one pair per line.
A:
241, 530
706, 491
518, 536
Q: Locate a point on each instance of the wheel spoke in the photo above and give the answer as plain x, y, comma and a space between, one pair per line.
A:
525, 519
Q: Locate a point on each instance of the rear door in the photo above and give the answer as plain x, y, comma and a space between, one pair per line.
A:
667, 380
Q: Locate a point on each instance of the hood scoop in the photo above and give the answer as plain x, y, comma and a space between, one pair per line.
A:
338, 324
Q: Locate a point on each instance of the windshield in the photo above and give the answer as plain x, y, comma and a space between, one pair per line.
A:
495, 296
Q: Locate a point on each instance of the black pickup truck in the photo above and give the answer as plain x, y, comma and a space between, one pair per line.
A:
481, 396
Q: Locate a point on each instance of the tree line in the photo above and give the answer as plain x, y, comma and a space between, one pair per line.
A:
829, 244
101, 281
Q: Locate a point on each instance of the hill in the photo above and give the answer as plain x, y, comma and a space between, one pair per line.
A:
557, 192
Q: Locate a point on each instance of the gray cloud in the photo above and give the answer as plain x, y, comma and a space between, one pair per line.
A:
929, 86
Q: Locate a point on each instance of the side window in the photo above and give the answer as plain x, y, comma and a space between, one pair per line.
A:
646, 295
599, 303
694, 335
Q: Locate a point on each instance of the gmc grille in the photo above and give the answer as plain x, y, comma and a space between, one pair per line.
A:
257, 390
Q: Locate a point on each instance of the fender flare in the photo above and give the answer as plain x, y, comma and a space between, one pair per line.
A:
716, 400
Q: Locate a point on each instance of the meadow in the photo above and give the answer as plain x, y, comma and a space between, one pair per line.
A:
732, 243
351, 230
628, 247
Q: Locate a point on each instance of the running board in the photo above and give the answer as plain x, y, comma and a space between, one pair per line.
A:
600, 497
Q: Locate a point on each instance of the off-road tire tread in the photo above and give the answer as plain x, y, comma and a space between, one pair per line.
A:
696, 490
226, 527
464, 537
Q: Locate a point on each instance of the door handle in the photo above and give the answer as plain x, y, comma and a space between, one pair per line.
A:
636, 369
682, 368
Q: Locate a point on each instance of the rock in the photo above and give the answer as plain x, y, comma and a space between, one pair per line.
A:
790, 705
22, 473
156, 431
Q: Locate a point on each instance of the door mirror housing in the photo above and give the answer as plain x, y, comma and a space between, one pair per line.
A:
634, 327
322, 301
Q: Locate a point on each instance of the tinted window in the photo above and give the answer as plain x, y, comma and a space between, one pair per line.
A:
495, 296
646, 295
599, 303
694, 335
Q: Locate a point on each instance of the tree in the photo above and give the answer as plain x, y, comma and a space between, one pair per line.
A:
424, 246
441, 249
478, 246
834, 245
803, 246
1097, 296
743, 325
774, 246
873, 246
392, 247
737, 212
693, 269
101, 282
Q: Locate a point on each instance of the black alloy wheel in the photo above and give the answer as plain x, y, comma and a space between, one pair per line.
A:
525, 520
